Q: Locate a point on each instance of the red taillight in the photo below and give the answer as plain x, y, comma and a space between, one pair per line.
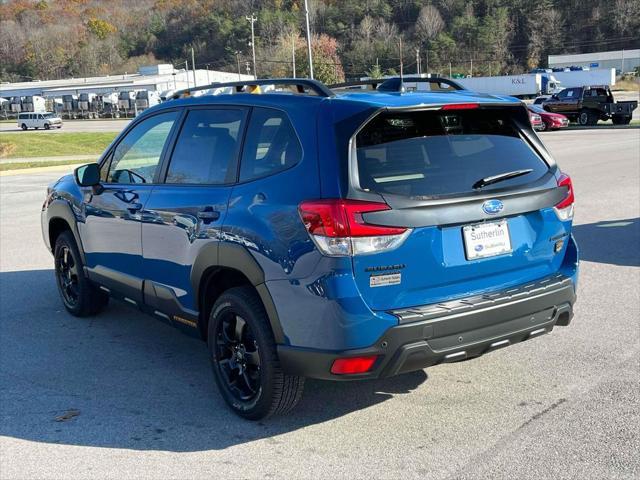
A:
460, 106
337, 218
349, 366
565, 181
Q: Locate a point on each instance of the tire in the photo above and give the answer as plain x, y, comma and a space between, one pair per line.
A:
543, 127
24, 127
621, 120
79, 295
47, 126
587, 117
245, 360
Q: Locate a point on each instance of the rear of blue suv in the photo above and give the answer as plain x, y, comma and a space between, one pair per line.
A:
342, 237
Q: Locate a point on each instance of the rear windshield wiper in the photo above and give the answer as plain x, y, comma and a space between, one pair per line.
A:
483, 182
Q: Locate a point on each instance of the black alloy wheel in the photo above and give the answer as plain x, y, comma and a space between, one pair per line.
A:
80, 296
245, 359
237, 357
67, 275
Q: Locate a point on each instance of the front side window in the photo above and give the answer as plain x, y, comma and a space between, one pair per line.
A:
271, 145
436, 153
136, 158
207, 148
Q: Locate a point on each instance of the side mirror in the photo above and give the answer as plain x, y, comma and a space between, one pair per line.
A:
554, 96
88, 175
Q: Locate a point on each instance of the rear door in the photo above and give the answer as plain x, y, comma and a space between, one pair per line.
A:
465, 234
184, 215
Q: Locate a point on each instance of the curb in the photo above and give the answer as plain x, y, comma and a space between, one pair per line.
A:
603, 127
27, 171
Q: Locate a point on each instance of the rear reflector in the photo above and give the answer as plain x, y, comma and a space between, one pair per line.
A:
349, 366
460, 106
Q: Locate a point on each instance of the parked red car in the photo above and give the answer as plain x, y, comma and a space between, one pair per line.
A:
536, 121
550, 121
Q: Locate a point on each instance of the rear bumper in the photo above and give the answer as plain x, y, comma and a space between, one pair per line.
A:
450, 331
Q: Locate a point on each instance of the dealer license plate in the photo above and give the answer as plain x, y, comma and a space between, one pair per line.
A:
486, 239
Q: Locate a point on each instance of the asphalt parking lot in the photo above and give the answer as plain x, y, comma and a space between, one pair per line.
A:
136, 399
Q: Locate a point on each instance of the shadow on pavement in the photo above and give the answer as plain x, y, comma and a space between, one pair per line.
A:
616, 242
124, 380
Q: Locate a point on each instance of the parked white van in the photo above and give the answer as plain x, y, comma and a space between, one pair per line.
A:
38, 120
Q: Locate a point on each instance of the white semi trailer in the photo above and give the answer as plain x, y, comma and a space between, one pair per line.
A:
525, 85
582, 78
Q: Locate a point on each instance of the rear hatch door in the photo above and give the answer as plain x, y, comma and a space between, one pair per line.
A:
476, 191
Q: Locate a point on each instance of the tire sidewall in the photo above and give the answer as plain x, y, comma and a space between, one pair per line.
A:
66, 240
583, 118
258, 406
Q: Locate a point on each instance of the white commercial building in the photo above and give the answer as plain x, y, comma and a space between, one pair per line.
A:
621, 60
164, 79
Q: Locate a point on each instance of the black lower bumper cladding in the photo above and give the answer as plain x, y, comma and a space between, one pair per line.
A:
450, 331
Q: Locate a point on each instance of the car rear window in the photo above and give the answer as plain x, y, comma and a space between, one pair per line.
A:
443, 152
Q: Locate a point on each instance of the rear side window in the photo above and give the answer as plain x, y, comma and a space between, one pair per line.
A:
207, 147
271, 145
436, 152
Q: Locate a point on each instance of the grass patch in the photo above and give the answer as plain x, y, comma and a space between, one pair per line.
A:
43, 144
21, 165
626, 85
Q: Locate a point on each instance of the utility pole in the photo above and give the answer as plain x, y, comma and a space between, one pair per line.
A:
401, 63
186, 72
306, 17
208, 81
238, 62
293, 54
472, 67
418, 60
450, 76
427, 61
193, 66
253, 19
247, 64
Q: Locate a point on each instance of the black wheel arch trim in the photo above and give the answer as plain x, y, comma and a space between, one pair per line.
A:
60, 209
236, 257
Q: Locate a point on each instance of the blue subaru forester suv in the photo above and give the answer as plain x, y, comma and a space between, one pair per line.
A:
307, 233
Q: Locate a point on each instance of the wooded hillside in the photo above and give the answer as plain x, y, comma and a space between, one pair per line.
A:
45, 39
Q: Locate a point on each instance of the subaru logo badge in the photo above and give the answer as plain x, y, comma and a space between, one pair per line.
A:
492, 207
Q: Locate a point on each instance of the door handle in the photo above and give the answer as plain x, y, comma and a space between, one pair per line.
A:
134, 207
208, 216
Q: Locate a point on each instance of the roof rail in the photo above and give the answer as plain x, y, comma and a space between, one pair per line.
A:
373, 82
301, 85
396, 84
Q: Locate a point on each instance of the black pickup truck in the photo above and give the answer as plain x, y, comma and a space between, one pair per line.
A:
586, 105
